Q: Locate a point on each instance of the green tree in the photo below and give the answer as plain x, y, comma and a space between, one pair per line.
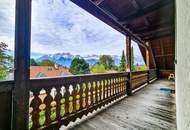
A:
98, 68
79, 66
122, 66
47, 63
107, 61
5, 61
33, 62
133, 68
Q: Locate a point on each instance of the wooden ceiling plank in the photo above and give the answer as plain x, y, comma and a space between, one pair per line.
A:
146, 11
161, 24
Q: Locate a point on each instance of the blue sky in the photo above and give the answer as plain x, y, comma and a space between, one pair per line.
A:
61, 26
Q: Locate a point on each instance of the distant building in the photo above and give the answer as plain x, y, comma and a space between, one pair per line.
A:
48, 71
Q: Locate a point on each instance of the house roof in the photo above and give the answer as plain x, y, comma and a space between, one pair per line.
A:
48, 71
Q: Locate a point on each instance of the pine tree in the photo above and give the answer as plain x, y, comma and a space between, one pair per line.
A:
79, 66
5, 61
122, 66
132, 60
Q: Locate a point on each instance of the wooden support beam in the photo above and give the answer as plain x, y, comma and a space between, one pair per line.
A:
136, 4
151, 58
157, 31
143, 52
165, 55
22, 64
129, 65
162, 53
162, 23
98, 2
158, 35
157, 27
147, 58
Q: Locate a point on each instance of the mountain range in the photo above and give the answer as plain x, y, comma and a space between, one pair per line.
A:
65, 59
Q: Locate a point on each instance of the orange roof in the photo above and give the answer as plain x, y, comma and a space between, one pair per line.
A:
48, 71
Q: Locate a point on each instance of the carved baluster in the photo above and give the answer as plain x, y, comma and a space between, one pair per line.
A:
48, 99
103, 90
123, 85
30, 123
109, 88
78, 97
99, 91
89, 94
84, 95
62, 101
120, 84
71, 98
66, 96
58, 104
117, 86
81, 96
94, 92
114, 86
53, 105
117, 82
35, 103
74, 94
107, 80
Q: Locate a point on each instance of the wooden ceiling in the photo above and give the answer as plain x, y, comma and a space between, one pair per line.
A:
141, 19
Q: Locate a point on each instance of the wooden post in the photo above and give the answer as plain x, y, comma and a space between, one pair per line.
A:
147, 62
147, 59
128, 66
22, 64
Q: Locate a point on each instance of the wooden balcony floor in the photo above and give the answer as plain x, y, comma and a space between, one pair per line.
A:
148, 109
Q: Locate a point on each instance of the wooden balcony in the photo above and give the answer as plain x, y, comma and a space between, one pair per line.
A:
55, 102
147, 109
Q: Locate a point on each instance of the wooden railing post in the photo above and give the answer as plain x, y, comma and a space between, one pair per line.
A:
128, 65
147, 61
22, 64
148, 77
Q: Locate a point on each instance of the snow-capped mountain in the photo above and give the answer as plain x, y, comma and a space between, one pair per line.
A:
65, 59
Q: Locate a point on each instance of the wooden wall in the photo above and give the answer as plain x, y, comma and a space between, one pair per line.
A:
164, 52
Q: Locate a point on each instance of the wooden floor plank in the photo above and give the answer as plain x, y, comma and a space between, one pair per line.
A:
148, 109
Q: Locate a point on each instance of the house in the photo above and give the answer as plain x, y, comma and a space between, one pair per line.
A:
48, 71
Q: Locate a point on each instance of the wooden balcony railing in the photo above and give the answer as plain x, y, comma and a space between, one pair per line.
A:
152, 74
5, 104
57, 101
139, 78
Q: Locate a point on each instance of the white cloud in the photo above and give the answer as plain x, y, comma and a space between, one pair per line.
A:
62, 26
7, 21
